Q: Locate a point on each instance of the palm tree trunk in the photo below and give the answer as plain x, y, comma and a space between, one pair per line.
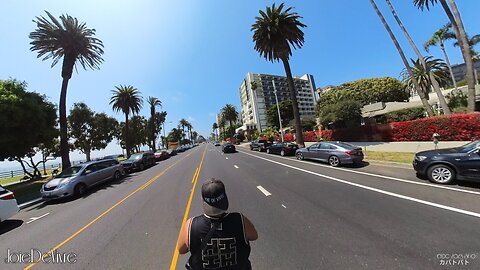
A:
447, 59
454, 16
293, 96
436, 86
127, 144
152, 126
64, 149
87, 154
417, 87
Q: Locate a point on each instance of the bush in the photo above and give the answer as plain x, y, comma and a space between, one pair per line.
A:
405, 115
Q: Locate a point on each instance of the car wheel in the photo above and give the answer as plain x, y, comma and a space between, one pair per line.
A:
300, 156
117, 175
282, 153
268, 151
80, 189
334, 161
441, 174
142, 167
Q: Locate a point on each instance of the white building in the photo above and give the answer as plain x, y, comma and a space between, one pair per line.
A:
255, 103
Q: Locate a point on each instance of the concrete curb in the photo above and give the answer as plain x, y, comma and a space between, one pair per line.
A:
398, 164
30, 203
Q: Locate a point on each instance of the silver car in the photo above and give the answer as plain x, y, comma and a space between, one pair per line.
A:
74, 181
335, 153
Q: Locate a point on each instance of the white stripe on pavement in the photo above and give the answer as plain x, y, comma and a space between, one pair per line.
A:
441, 206
32, 219
380, 176
236, 167
264, 191
226, 158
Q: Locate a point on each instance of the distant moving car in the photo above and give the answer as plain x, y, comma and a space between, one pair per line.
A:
8, 204
161, 155
444, 166
335, 153
228, 148
282, 148
74, 181
260, 145
139, 161
216, 144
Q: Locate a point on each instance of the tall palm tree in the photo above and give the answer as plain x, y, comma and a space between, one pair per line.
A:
230, 114
221, 125
435, 68
435, 84
453, 15
276, 31
189, 128
127, 99
472, 42
183, 124
153, 102
438, 39
75, 43
214, 128
415, 84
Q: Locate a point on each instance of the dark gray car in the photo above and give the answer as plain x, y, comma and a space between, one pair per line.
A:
335, 153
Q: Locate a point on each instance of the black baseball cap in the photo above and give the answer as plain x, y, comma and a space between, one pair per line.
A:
215, 201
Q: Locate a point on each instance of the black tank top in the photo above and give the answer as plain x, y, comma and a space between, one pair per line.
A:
227, 249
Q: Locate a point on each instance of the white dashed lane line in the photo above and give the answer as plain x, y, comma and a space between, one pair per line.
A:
236, 167
264, 191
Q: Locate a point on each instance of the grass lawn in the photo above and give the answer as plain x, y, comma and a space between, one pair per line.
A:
400, 157
27, 188
6, 181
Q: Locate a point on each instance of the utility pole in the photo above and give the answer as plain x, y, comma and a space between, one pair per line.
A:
278, 109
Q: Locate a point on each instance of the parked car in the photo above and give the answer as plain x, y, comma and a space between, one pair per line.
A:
216, 144
282, 148
118, 157
335, 153
161, 155
172, 152
8, 204
139, 161
228, 148
260, 145
74, 181
444, 166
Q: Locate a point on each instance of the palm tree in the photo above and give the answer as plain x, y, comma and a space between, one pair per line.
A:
221, 125
472, 42
214, 128
436, 86
435, 68
456, 20
230, 114
127, 99
153, 102
438, 39
189, 128
415, 84
276, 31
183, 124
74, 42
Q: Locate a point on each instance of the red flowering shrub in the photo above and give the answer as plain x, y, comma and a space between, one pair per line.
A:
456, 127
310, 136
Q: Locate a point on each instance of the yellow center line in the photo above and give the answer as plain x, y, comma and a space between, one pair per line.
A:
106, 212
173, 265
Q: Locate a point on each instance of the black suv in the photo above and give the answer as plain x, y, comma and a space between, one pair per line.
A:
139, 161
443, 166
260, 145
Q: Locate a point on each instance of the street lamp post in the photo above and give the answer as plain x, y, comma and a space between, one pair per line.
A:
278, 109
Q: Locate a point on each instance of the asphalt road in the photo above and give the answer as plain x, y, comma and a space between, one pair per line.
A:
308, 215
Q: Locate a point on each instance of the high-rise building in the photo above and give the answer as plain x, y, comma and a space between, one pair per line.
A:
255, 102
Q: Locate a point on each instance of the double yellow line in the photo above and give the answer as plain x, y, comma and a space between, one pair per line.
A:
110, 209
173, 265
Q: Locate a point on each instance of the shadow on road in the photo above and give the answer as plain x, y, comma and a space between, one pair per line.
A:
9, 225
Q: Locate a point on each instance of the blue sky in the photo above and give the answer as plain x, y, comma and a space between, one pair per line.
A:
193, 55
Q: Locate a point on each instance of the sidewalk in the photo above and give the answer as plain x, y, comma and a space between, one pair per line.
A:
406, 147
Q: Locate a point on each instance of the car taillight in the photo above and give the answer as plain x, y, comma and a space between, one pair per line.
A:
350, 152
8, 197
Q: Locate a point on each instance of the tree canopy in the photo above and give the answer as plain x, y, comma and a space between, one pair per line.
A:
286, 113
27, 119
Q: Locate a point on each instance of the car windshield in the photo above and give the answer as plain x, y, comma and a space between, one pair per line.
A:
69, 172
469, 146
135, 156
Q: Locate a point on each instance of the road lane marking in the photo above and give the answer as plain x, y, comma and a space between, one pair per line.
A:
103, 214
226, 158
284, 206
408, 198
196, 172
264, 191
173, 264
380, 176
32, 219
236, 167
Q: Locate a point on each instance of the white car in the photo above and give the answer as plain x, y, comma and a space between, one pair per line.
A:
8, 204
